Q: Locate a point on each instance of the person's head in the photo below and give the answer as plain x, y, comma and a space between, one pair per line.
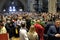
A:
19, 17
32, 28
38, 21
23, 25
57, 22
1, 24
23, 19
10, 24
8, 21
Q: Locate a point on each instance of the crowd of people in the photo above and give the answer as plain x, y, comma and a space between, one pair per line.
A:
31, 26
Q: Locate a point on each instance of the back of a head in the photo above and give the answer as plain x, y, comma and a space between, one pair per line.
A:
37, 21
32, 28
1, 24
22, 25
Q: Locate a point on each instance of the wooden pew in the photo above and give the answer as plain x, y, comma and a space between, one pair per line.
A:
4, 36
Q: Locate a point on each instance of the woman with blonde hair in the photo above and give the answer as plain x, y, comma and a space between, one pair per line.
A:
32, 35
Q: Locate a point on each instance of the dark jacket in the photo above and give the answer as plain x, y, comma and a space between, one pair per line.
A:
51, 33
46, 30
10, 30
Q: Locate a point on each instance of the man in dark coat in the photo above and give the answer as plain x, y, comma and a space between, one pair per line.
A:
54, 31
10, 29
46, 29
28, 23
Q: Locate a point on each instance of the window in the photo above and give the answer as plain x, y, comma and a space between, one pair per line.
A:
12, 8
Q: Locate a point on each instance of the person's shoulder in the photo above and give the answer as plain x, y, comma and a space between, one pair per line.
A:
23, 30
3, 28
36, 24
52, 26
35, 33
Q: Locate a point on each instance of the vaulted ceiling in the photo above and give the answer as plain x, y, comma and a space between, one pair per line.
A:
2, 3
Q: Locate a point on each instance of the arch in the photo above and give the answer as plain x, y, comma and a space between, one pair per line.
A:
18, 5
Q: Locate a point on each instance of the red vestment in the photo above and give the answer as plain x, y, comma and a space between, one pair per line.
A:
39, 30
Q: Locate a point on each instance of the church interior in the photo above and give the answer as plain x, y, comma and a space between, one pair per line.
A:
29, 19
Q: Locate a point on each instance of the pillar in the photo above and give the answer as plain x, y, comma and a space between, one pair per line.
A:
40, 5
30, 5
52, 6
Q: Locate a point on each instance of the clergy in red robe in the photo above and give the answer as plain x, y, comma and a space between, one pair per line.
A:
39, 30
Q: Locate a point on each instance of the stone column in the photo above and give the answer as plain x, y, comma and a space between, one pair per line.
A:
30, 5
25, 3
52, 6
40, 5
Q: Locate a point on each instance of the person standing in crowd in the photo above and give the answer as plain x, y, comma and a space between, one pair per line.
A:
32, 35
19, 21
23, 32
16, 27
54, 31
10, 29
16, 31
48, 24
28, 22
39, 30
2, 28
